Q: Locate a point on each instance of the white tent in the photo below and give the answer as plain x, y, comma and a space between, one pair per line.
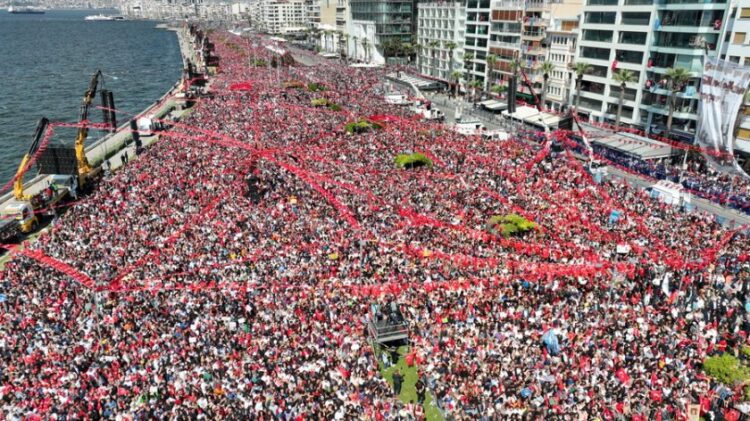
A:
494, 105
522, 113
636, 146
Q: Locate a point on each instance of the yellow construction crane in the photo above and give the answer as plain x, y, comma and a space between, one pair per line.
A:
18, 191
84, 168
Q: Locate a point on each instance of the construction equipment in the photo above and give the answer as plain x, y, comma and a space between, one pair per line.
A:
25, 208
18, 192
84, 168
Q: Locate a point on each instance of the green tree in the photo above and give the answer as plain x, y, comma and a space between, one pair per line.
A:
456, 77
468, 57
676, 78
418, 48
491, 60
547, 67
475, 86
450, 45
433, 50
366, 47
623, 77
581, 68
498, 89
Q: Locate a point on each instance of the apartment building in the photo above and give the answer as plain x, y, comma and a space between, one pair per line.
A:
522, 30
438, 25
562, 36
647, 37
392, 18
280, 16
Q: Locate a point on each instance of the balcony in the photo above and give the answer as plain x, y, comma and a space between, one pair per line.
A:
535, 4
499, 44
533, 35
508, 4
696, 4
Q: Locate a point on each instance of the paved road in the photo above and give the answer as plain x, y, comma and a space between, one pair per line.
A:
729, 217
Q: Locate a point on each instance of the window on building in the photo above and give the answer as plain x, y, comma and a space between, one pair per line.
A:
739, 38
595, 53
636, 18
734, 59
600, 17
597, 35
745, 13
638, 38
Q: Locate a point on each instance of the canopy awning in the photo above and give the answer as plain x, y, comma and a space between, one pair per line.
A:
493, 105
636, 146
522, 113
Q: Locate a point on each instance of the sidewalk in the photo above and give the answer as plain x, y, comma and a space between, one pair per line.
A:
724, 215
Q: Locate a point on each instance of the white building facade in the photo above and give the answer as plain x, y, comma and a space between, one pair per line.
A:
281, 16
562, 36
438, 25
647, 38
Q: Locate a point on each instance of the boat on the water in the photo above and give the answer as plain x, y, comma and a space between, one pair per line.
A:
104, 17
25, 11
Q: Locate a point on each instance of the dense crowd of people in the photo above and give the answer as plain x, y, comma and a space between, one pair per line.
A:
698, 178
235, 262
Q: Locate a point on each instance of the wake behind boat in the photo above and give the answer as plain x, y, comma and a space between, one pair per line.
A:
103, 18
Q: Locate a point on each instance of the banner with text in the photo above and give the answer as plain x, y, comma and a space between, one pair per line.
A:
723, 88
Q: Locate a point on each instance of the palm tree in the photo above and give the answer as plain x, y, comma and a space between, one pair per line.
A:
547, 67
450, 45
623, 76
498, 89
581, 69
515, 67
677, 78
433, 46
468, 56
491, 59
418, 50
475, 85
455, 75
366, 46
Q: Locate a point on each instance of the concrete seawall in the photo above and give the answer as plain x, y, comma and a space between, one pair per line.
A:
114, 143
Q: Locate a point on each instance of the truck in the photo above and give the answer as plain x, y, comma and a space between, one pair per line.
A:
397, 99
469, 127
670, 193
10, 229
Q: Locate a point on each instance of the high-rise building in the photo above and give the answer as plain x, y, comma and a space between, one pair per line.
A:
392, 18
647, 37
280, 16
440, 26
476, 39
520, 31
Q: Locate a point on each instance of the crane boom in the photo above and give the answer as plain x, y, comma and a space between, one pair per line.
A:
84, 168
41, 128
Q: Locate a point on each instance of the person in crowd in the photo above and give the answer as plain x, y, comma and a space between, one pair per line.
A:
168, 293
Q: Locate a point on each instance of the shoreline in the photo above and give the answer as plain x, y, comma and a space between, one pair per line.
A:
112, 144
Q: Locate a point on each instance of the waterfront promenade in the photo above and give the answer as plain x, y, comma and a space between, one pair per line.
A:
230, 271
